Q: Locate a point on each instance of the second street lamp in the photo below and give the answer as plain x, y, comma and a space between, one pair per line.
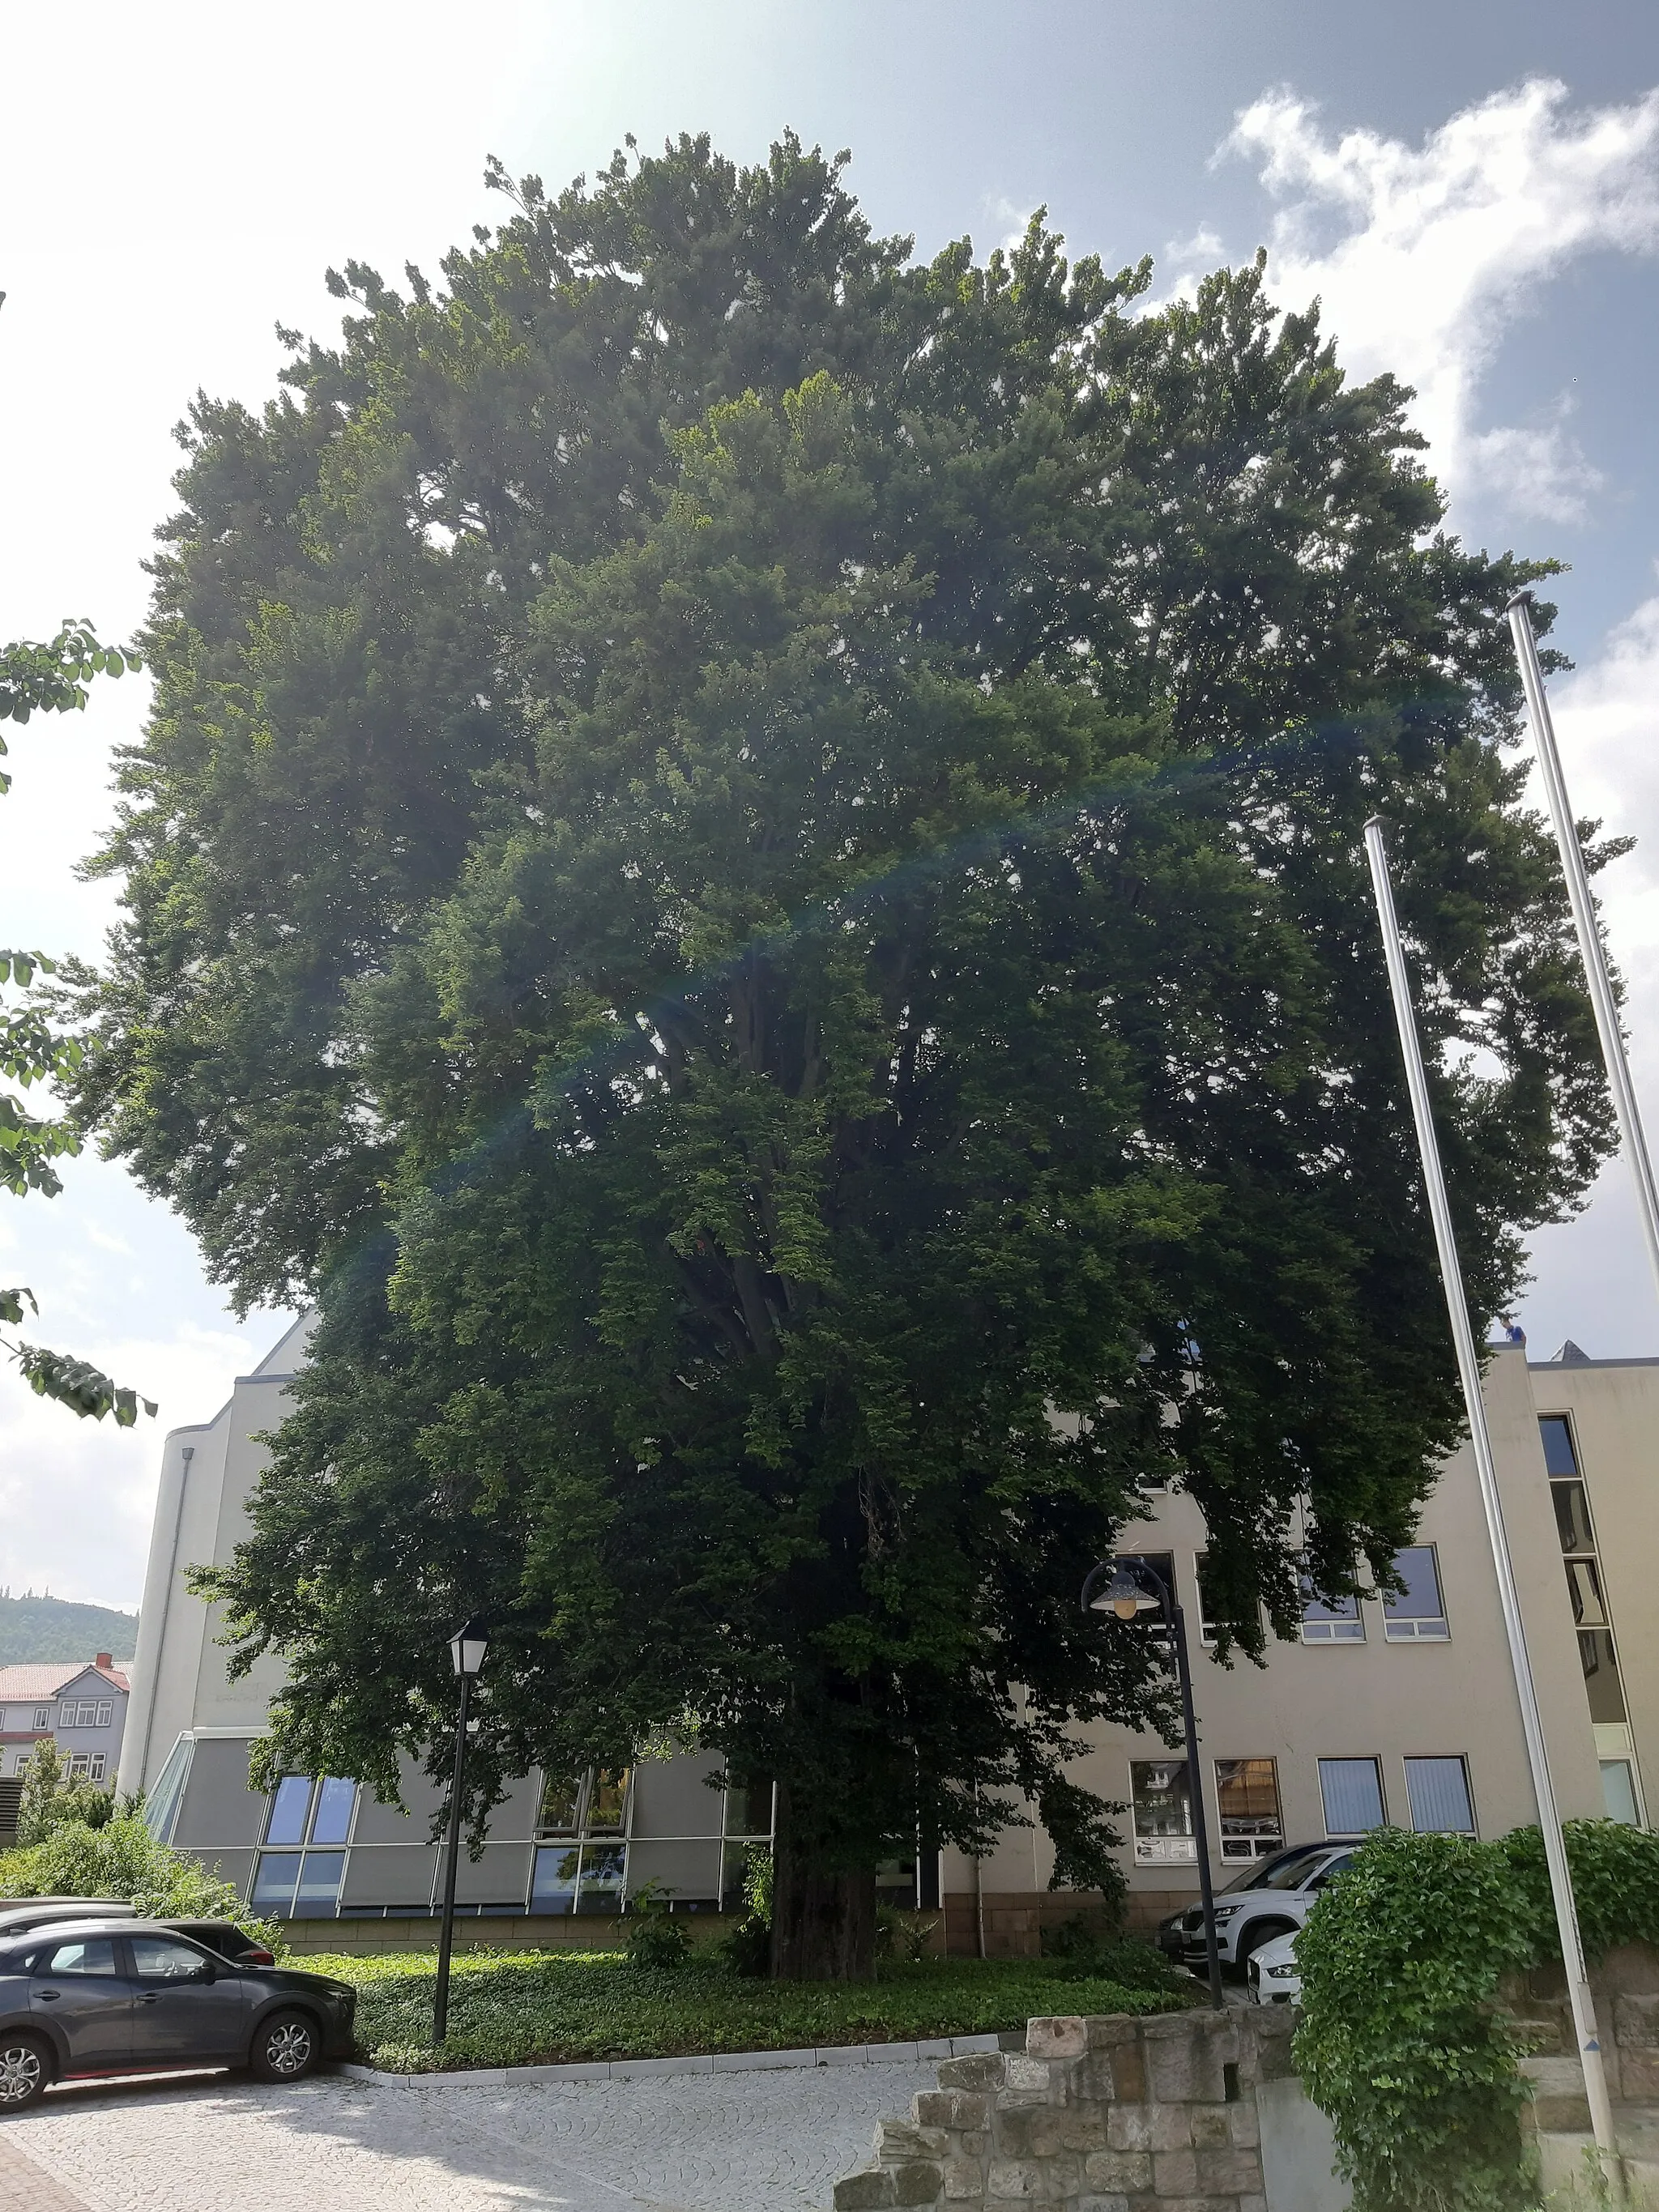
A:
1129, 1587
466, 1651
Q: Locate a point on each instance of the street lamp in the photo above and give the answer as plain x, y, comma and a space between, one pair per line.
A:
1129, 1587
466, 1651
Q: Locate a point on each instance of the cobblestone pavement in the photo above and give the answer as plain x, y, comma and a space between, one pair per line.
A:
767, 2141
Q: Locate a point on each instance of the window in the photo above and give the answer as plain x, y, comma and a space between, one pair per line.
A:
95, 1956
1618, 1792
1419, 1614
1555, 1432
86, 1767
1352, 1790
106, 1712
159, 1958
1247, 1798
66, 1714
1163, 1812
1437, 1790
292, 1884
1211, 1615
1336, 1623
42, 1717
589, 1873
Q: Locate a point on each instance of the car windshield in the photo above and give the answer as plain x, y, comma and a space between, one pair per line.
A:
1286, 1873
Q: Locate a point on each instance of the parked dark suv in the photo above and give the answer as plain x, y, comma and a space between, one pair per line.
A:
122, 1996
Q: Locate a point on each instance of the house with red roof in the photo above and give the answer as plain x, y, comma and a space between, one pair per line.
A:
79, 1705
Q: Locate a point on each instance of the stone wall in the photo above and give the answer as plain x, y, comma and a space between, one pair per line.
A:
1103, 2114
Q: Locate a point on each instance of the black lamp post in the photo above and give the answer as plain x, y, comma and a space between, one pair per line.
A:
466, 1649
1129, 1587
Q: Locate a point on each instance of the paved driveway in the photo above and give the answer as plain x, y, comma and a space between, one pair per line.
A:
765, 2141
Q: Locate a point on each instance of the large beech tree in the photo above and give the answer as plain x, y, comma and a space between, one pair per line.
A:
747, 865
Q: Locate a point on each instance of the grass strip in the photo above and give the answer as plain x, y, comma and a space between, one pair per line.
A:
521, 2009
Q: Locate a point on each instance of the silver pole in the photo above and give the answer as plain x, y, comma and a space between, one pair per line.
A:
1468, 1366
1590, 948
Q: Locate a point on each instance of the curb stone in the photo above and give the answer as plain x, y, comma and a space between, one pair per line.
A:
721, 2062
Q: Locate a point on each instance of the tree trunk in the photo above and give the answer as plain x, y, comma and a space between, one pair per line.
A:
824, 1920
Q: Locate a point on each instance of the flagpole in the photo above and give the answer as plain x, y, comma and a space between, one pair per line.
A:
1590, 948
1468, 1367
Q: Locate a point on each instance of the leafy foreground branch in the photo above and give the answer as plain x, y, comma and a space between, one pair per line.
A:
1401, 2041
48, 678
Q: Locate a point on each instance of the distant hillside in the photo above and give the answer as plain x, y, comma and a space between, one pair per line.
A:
54, 1628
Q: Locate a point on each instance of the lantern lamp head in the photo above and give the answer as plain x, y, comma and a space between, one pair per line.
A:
1126, 1594
467, 1647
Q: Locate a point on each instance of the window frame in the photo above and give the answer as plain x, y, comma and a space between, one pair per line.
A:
1244, 1849
1419, 1628
1153, 1850
1411, 1759
1333, 1621
1372, 1759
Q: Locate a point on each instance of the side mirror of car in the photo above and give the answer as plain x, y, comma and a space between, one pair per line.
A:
207, 1971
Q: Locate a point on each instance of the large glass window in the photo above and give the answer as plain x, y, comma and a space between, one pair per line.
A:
1247, 1803
289, 1809
1337, 1622
1618, 1792
1416, 1614
1352, 1791
1555, 1433
161, 1806
1163, 1812
295, 1883
1598, 1655
1437, 1790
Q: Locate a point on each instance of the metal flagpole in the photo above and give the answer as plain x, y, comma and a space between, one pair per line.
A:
1590, 948
1468, 1363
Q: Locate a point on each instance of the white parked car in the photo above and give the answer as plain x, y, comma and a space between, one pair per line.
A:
1273, 1975
1271, 1900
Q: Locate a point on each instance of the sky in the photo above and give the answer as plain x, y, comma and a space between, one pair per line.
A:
1472, 191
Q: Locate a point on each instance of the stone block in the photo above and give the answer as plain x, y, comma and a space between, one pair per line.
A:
1172, 2125
1129, 2072
896, 2140
1632, 1968
1635, 2022
1107, 2030
1245, 2124
1081, 2127
1129, 2127
1561, 2116
1018, 2181
1175, 2173
964, 2180
950, 2108
1638, 2076
1228, 2172
1056, 2036
1209, 2126
918, 2181
1127, 2170
1184, 2066
1114, 2203
1026, 2077
864, 2192
983, 2071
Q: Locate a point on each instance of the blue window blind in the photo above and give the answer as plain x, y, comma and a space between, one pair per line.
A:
1438, 1790
1353, 1792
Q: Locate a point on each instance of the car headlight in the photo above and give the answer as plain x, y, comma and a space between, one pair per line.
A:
1223, 1912
1280, 1974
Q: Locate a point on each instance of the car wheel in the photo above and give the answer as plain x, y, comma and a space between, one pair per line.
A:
285, 2047
25, 2070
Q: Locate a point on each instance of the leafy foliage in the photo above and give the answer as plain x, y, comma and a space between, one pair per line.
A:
748, 863
1401, 2041
49, 679
656, 1940
121, 1858
1092, 1947
521, 2008
50, 1798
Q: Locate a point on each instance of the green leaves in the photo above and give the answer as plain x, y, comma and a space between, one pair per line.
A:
53, 678
85, 1389
1401, 2041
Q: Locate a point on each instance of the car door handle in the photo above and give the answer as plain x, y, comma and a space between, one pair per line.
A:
149, 1997
47, 1997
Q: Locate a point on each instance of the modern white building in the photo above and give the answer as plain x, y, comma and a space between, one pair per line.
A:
1402, 1712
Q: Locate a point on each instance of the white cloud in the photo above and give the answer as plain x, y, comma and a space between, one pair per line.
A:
1424, 257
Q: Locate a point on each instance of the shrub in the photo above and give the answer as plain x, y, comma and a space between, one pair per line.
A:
121, 1858
1401, 2042
656, 1940
50, 1799
1089, 1946
747, 1949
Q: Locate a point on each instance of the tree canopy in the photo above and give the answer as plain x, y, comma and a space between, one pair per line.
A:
747, 864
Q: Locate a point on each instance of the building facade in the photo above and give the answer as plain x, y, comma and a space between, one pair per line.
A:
1401, 1710
79, 1706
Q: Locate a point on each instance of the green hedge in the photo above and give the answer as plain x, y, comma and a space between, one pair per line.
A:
1401, 2042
